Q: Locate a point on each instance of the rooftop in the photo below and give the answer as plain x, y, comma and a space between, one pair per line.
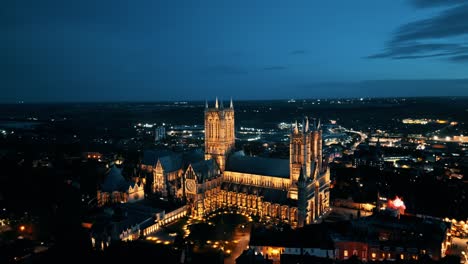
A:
311, 236
238, 162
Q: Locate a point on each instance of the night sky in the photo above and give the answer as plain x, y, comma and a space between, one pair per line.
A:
149, 50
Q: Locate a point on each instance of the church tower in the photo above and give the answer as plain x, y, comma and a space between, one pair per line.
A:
300, 150
219, 133
316, 147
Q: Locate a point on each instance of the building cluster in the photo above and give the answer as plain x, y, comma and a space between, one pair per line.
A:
382, 236
115, 189
294, 191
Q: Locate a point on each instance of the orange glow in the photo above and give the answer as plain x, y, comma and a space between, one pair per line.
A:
22, 228
274, 251
397, 204
86, 225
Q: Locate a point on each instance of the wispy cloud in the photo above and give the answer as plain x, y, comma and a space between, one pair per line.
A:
275, 68
460, 58
431, 37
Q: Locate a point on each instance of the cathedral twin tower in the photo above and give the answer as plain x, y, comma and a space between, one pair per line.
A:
297, 192
219, 133
305, 144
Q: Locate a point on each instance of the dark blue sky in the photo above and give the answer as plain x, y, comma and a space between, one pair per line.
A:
106, 50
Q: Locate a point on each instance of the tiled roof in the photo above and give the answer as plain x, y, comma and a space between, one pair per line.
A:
258, 165
114, 181
205, 169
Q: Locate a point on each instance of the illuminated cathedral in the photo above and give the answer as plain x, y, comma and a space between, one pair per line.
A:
294, 191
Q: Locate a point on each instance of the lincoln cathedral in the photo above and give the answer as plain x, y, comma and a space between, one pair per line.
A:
294, 191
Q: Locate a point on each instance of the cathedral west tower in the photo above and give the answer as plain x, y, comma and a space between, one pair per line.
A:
219, 133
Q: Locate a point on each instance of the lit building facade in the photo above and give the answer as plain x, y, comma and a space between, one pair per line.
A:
384, 236
159, 133
295, 191
313, 240
116, 189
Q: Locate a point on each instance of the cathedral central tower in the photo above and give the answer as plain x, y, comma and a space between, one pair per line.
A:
219, 133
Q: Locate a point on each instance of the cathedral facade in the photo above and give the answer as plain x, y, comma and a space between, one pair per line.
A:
294, 191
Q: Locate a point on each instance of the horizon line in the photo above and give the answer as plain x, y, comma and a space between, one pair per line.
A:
19, 102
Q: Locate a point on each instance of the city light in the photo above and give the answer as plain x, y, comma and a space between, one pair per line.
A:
397, 204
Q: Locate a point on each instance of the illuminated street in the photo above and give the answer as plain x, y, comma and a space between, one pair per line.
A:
242, 236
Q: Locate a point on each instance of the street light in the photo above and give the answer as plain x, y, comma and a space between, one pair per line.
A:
466, 257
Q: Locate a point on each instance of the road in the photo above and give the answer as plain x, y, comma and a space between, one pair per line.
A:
361, 135
242, 235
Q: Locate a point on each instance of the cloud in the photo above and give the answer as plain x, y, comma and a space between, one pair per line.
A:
419, 50
431, 37
449, 23
460, 58
297, 52
227, 69
275, 68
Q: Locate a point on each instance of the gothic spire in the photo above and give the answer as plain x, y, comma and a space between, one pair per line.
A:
231, 105
221, 104
296, 128
216, 103
303, 125
206, 103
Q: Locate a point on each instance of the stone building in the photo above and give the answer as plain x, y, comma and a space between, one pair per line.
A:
295, 191
115, 189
